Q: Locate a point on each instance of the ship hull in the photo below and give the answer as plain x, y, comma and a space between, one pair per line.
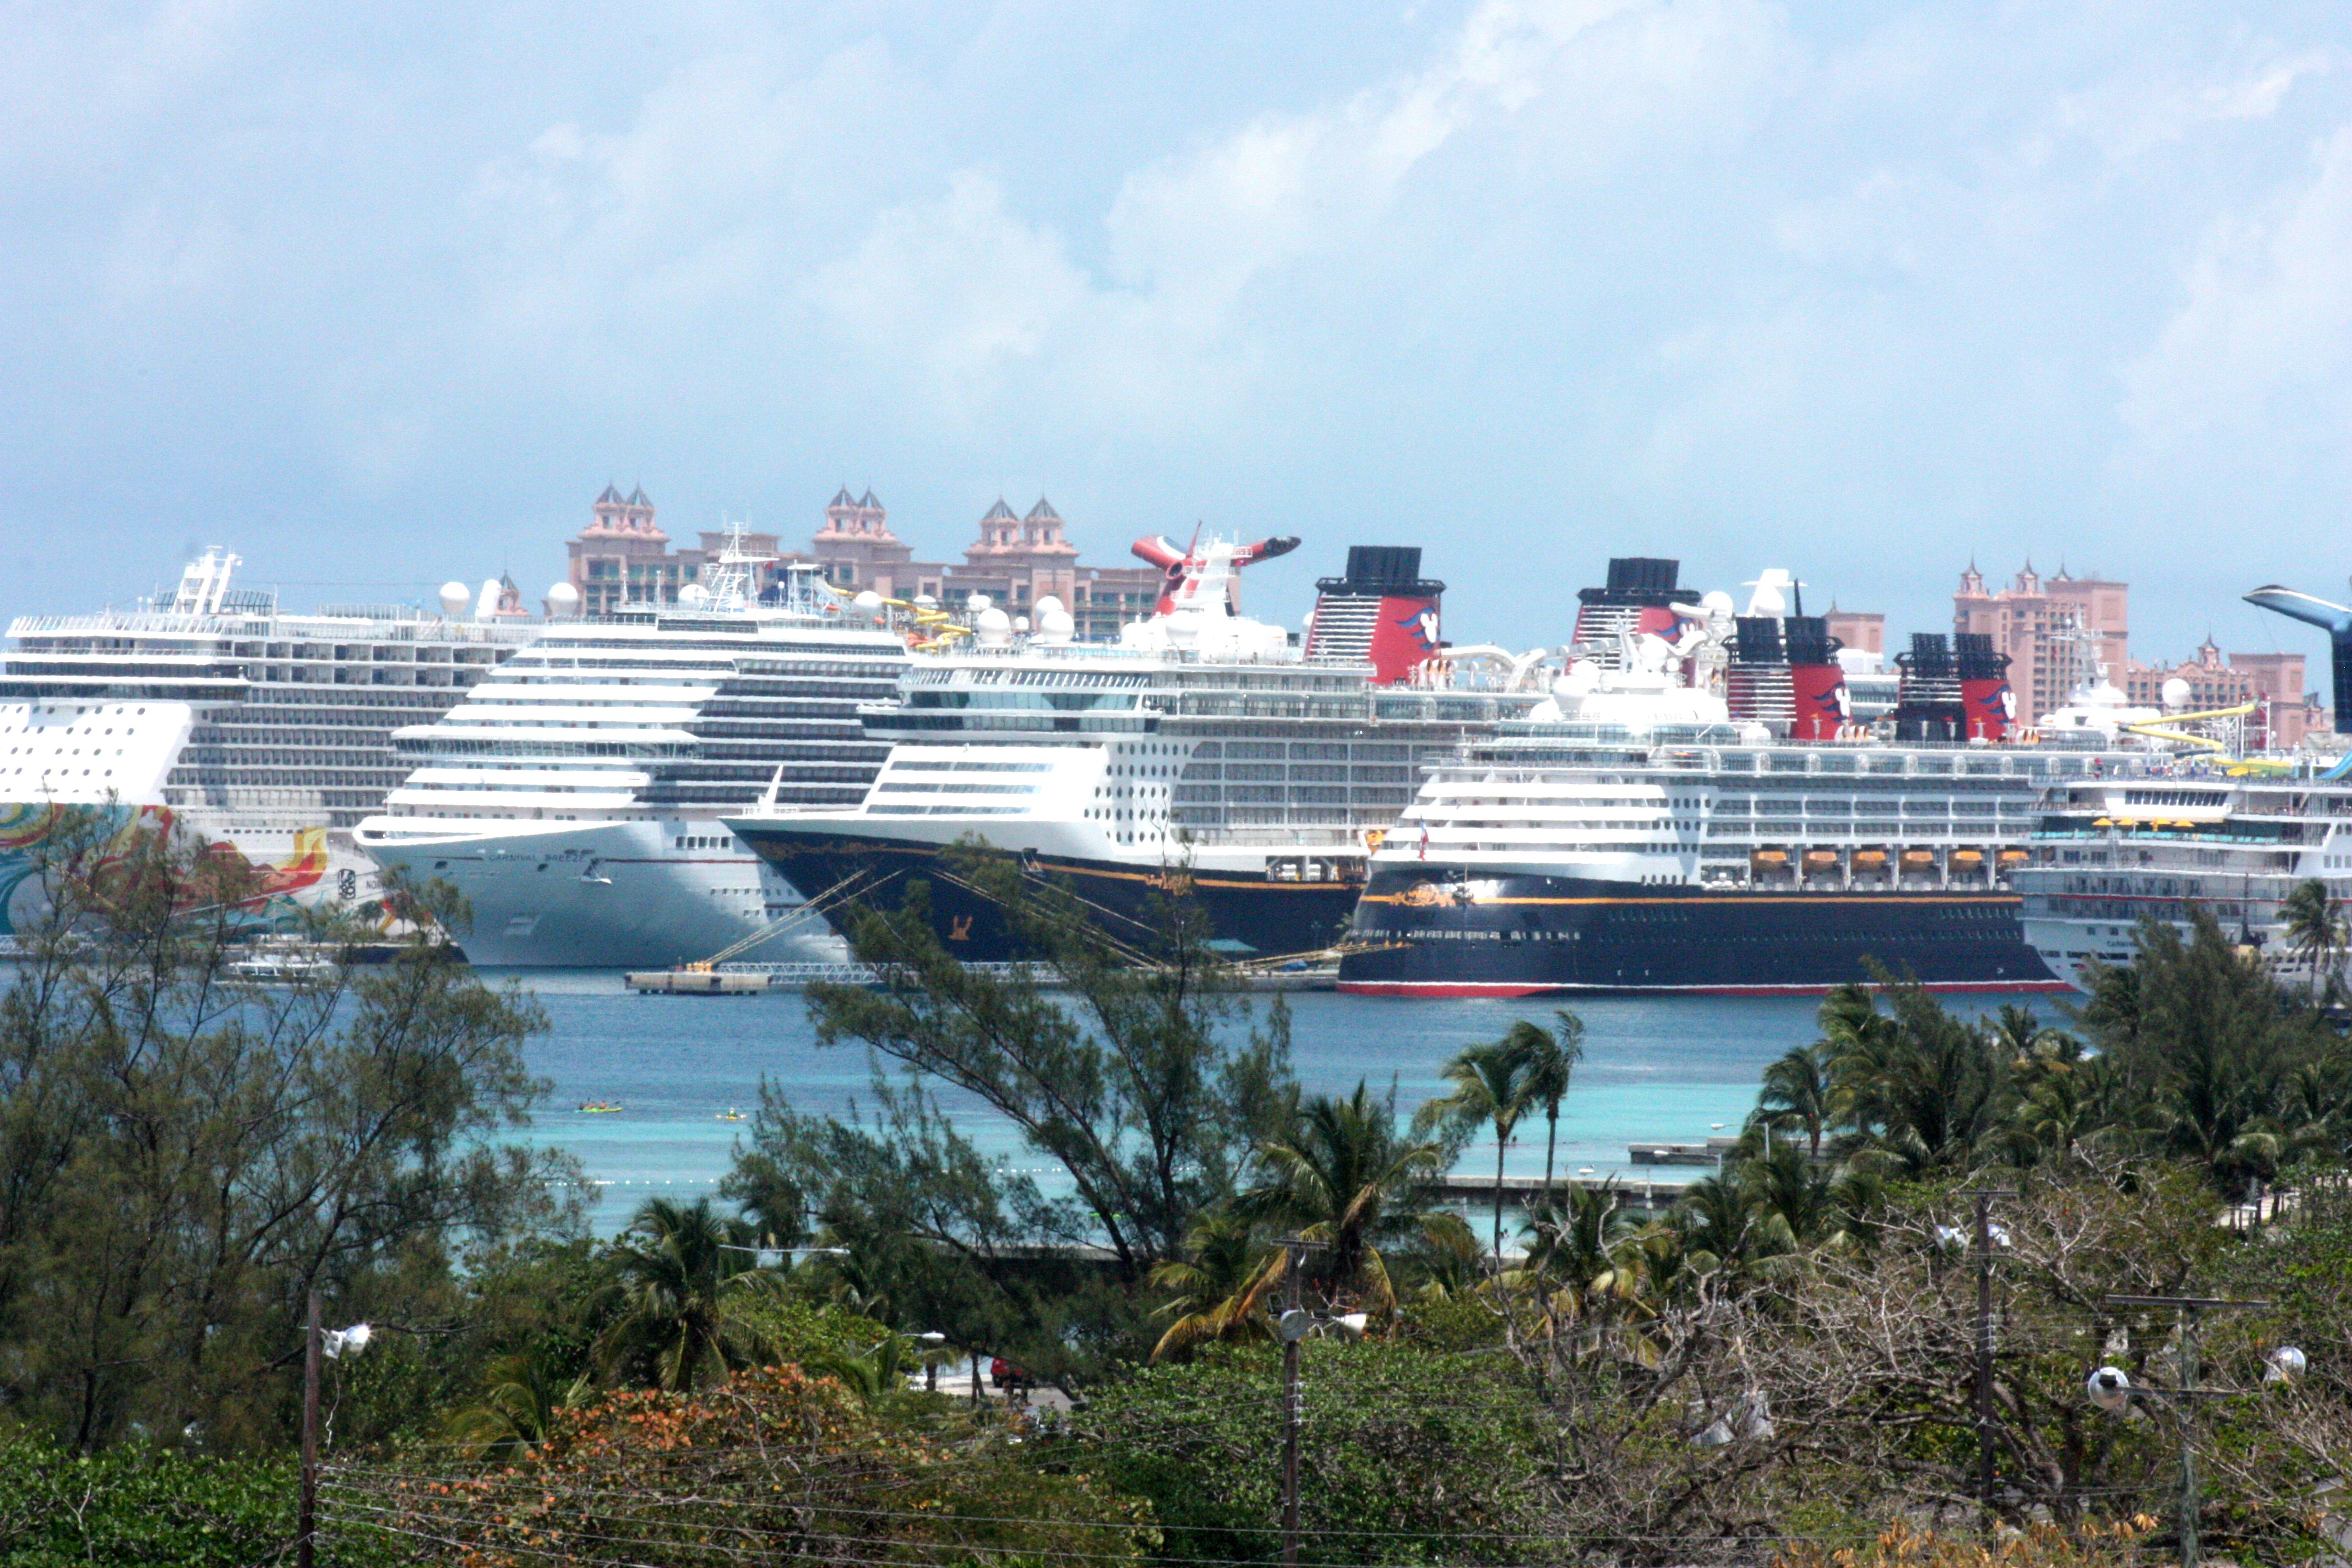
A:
295, 866
605, 894
1528, 935
1247, 914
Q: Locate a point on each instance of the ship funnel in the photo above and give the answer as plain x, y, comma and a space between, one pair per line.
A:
1988, 707
1640, 598
2336, 620
1383, 613
1816, 680
1928, 705
1784, 673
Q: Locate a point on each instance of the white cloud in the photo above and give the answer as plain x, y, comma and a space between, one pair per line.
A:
80, 81
2262, 344
2134, 111
964, 293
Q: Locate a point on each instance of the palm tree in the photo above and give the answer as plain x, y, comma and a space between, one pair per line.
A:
1221, 1284
2314, 928
1582, 1244
1799, 1204
1921, 1089
1342, 1176
1797, 1093
684, 1277
874, 1374
1490, 1085
1551, 1055
521, 1396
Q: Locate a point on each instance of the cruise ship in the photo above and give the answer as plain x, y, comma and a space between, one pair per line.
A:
214, 712
575, 797
1696, 810
2107, 853
1205, 755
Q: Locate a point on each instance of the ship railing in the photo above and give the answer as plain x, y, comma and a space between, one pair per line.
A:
413, 627
1030, 648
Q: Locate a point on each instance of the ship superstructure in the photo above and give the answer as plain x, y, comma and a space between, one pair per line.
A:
574, 799
1204, 756
2109, 852
266, 731
1648, 829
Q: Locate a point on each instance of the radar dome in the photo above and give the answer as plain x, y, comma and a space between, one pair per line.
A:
1021, 623
1054, 624
1716, 601
977, 603
992, 626
2175, 693
694, 595
454, 597
564, 599
868, 600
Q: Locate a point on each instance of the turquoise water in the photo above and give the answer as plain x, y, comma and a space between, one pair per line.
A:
1654, 1070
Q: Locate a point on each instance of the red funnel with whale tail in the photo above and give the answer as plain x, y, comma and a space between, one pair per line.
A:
1816, 680
1639, 598
1990, 708
1383, 611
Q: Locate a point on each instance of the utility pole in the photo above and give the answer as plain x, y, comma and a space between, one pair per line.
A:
1985, 1469
306, 1518
1294, 1259
2191, 1309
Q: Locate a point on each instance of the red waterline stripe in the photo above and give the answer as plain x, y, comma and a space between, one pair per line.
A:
1442, 989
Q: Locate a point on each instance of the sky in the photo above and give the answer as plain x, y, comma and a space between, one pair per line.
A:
379, 296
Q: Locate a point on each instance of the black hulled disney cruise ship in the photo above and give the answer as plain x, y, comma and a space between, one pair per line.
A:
1692, 811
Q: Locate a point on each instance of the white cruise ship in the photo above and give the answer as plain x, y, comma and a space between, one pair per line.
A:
574, 797
2108, 852
266, 731
1204, 756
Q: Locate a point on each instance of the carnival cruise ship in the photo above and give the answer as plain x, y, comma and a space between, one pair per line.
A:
575, 797
1204, 756
1695, 810
266, 731
2107, 853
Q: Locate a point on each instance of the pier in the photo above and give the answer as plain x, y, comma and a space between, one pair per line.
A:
1654, 1193
763, 979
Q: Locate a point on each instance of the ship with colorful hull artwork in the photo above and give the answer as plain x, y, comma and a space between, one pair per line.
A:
1695, 810
264, 734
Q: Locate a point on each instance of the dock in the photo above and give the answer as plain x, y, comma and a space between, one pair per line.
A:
1645, 1192
765, 979
698, 983
1709, 1153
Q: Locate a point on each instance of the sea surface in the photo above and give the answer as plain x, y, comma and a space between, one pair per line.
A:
1678, 1070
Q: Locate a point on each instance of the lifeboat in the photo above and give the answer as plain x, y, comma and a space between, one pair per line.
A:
1967, 858
1918, 858
1770, 858
2012, 856
1872, 859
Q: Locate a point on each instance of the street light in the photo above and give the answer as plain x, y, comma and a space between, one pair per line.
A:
340, 1344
